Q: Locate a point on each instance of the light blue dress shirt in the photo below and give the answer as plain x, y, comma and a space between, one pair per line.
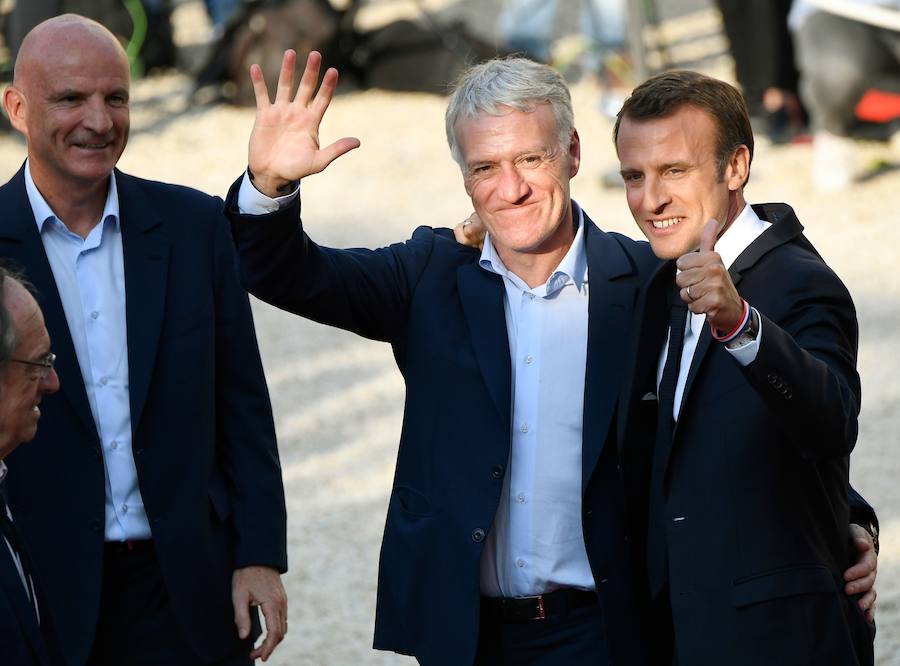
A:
90, 278
536, 544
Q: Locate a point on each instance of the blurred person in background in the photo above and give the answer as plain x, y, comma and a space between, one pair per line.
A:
527, 27
844, 48
763, 51
165, 487
26, 376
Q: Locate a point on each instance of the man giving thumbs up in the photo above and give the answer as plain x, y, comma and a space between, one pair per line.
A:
746, 448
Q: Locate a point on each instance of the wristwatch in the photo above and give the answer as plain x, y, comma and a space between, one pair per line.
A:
748, 335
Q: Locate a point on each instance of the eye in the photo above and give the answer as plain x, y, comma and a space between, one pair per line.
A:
118, 100
481, 169
632, 177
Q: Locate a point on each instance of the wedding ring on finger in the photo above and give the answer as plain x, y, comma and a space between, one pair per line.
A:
690, 295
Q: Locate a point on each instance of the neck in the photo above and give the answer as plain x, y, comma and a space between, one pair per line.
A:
78, 205
736, 204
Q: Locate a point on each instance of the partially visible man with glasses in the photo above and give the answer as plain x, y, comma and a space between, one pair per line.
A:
26, 374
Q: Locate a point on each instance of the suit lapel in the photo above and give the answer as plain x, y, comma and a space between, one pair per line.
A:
145, 251
609, 316
481, 294
21, 242
14, 590
649, 335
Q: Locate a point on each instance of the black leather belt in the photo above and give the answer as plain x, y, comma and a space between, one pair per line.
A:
126, 547
526, 609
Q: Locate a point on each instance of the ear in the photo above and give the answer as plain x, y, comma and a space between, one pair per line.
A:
738, 168
574, 154
15, 105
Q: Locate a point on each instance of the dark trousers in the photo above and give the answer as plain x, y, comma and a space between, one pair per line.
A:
136, 625
574, 639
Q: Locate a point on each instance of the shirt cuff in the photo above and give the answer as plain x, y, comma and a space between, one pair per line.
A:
746, 354
253, 202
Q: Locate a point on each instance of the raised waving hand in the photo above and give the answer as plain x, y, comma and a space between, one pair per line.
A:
284, 143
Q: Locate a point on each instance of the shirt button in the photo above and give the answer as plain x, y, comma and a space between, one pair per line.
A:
523, 427
114, 445
95, 314
520, 563
104, 381
520, 498
529, 360
124, 508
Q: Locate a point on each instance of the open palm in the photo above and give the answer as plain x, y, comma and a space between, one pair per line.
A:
284, 143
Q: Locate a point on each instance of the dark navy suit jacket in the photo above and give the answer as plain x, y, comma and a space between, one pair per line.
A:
444, 317
756, 484
23, 642
203, 435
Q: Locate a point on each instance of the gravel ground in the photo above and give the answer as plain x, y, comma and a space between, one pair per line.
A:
338, 398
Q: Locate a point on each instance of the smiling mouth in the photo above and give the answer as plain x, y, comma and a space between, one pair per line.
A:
92, 146
666, 223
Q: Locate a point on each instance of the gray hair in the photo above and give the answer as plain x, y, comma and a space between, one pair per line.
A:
9, 339
517, 83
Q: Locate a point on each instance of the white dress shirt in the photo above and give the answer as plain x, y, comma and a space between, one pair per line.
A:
536, 544
90, 278
737, 238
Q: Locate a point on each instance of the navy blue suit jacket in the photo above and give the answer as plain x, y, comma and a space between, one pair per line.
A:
23, 642
444, 317
203, 435
756, 486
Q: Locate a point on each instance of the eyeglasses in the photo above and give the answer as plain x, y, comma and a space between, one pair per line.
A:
45, 364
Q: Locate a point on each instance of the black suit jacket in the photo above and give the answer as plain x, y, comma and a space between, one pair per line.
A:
203, 436
444, 317
756, 483
23, 642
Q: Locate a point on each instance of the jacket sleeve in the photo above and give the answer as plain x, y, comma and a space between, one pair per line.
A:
360, 290
805, 370
246, 448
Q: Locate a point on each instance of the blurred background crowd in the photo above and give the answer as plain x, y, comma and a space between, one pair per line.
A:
826, 71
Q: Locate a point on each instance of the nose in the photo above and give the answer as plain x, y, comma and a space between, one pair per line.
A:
97, 117
656, 195
50, 383
512, 187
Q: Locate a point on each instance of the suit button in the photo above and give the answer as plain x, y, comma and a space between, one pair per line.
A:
478, 535
788, 395
96, 453
497, 472
95, 525
772, 378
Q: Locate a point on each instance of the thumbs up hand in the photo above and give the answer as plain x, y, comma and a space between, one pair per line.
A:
706, 286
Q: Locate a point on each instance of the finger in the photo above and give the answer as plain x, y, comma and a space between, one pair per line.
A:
241, 612
274, 630
330, 153
708, 237
861, 584
260, 91
309, 78
286, 77
325, 93
867, 601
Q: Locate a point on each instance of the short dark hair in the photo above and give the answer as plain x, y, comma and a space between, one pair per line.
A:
667, 93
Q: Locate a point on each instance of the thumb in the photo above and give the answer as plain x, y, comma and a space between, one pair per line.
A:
708, 237
335, 150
